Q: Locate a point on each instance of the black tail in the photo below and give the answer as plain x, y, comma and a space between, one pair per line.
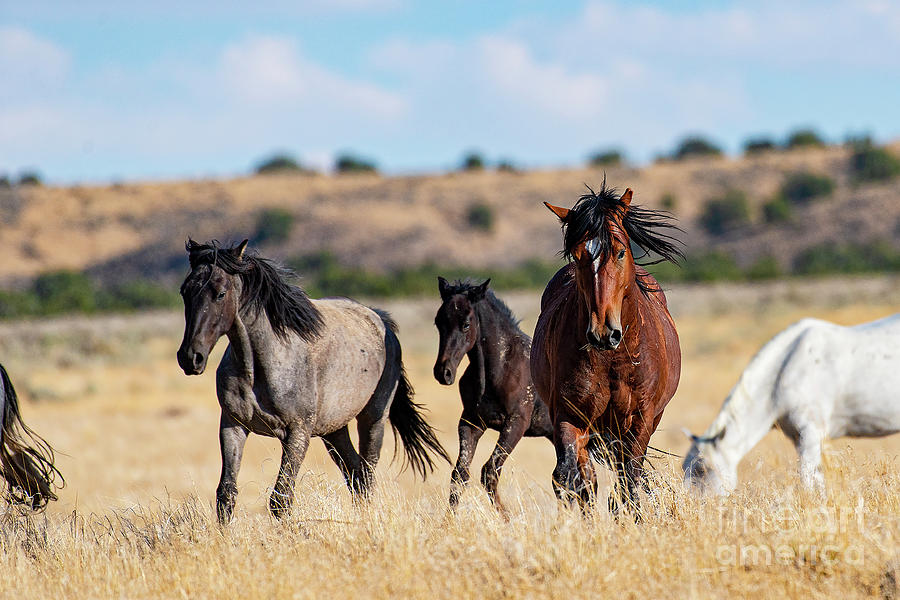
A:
26, 459
408, 422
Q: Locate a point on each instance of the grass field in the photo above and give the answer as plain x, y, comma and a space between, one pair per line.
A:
137, 442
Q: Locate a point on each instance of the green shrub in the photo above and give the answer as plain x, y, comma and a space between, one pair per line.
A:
606, 158
847, 258
323, 275
803, 186
139, 294
804, 138
872, 163
695, 146
349, 163
711, 266
507, 166
668, 201
29, 178
765, 267
472, 161
4, 181
757, 145
480, 216
726, 213
777, 210
279, 163
64, 291
274, 225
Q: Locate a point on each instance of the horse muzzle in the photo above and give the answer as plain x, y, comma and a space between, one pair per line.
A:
444, 374
609, 340
191, 361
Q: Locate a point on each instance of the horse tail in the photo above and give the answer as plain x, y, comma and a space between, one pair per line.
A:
26, 459
407, 418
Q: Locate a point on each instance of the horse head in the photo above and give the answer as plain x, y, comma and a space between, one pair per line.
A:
457, 325
211, 302
604, 270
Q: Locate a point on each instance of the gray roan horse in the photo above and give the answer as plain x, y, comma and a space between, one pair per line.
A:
296, 368
26, 459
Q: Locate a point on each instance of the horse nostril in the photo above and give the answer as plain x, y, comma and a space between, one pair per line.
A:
615, 337
198, 360
593, 338
447, 374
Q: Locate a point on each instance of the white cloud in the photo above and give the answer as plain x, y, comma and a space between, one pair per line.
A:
269, 70
29, 65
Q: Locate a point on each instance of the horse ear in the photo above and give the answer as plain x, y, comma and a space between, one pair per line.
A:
687, 433
559, 211
443, 287
626, 197
478, 292
240, 249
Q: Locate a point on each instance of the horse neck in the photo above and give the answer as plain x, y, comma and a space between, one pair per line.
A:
252, 339
495, 335
747, 415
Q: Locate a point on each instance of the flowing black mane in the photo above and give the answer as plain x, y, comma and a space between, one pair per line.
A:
469, 288
265, 287
646, 228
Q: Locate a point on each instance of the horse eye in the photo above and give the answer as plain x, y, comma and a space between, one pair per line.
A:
466, 326
621, 253
221, 296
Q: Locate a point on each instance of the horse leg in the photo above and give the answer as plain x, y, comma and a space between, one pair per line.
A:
341, 450
232, 437
571, 453
513, 429
634, 468
809, 446
293, 450
469, 434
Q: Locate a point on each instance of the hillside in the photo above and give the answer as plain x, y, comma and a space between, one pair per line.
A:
132, 230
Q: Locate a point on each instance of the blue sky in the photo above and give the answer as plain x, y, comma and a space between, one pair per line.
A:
99, 91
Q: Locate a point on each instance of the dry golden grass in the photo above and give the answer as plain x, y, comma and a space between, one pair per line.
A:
138, 445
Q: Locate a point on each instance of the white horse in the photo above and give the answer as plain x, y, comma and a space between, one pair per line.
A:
815, 380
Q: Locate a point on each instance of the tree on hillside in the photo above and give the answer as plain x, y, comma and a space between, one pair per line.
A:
725, 213
695, 145
610, 157
279, 163
756, 145
473, 161
29, 178
350, 163
804, 138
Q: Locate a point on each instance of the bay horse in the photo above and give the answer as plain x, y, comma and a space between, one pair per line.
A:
26, 459
296, 368
495, 388
815, 380
606, 355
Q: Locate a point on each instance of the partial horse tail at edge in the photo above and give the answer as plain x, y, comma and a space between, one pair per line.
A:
26, 459
408, 421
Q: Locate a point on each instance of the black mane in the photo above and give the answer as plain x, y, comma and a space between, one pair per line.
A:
265, 287
466, 287
646, 228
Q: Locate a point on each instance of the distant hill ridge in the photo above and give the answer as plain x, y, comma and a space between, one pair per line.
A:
482, 219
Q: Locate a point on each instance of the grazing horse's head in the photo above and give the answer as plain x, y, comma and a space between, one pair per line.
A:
598, 233
211, 302
457, 325
705, 467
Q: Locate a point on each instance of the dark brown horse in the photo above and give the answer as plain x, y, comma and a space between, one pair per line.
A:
495, 389
606, 355
26, 459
